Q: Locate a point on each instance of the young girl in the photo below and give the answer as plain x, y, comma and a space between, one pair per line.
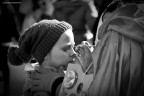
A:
50, 43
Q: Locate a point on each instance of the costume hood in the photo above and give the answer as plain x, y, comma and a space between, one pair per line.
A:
128, 20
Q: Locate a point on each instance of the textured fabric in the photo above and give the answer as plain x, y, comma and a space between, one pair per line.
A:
118, 55
50, 79
118, 64
128, 20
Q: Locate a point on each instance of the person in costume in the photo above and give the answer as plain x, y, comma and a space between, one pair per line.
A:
119, 52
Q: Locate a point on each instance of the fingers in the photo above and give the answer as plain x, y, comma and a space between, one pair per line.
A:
84, 53
82, 45
86, 43
79, 50
90, 47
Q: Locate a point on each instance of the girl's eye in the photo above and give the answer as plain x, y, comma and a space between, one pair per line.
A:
67, 48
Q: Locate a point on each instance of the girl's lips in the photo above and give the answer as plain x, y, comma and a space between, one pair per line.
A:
72, 61
64, 67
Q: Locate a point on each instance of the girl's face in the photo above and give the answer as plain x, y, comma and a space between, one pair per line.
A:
63, 53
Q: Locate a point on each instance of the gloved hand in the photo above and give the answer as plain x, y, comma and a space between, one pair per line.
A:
46, 80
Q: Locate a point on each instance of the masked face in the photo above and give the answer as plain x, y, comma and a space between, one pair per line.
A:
63, 52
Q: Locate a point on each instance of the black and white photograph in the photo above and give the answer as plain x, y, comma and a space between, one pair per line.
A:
72, 48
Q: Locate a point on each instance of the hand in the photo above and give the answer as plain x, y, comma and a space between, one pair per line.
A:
84, 54
44, 79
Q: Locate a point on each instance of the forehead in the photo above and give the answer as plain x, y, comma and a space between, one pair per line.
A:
66, 38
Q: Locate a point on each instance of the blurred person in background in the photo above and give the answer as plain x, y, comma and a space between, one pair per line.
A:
81, 14
101, 5
10, 27
36, 11
31, 13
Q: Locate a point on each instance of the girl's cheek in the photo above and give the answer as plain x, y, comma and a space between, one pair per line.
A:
62, 55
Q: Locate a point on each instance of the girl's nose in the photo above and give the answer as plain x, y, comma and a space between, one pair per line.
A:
72, 53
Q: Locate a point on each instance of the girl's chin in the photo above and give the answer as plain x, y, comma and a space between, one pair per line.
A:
64, 67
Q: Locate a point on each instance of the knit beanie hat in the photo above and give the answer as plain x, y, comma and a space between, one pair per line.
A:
37, 41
